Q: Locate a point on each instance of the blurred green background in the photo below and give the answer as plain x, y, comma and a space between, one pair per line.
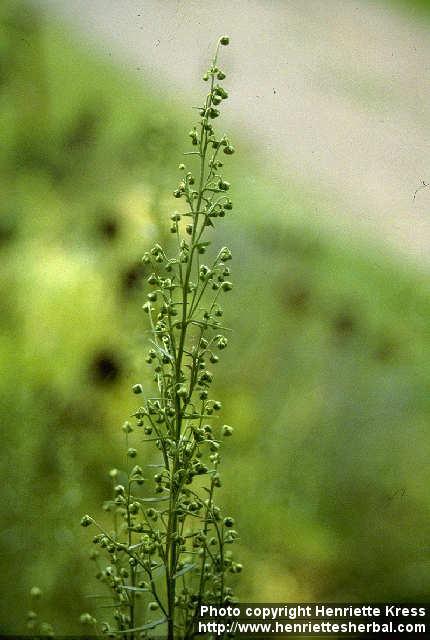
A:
327, 379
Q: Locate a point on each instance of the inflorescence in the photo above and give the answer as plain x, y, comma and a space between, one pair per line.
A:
168, 549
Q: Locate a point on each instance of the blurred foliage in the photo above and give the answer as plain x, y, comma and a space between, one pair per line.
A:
327, 380
416, 8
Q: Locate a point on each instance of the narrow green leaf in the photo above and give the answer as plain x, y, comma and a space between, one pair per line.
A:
189, 566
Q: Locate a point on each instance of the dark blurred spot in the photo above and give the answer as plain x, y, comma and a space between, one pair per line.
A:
344, 324
39, 156
132, 278
148, 144
5, 74
108, 226
297, 298
385, 351
83, 131
8, 230
21, 19
105, 368
294, 241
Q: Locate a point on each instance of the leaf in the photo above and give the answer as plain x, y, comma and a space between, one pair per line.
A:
158, 572
161, 499
148, 625
161, 350
189, 566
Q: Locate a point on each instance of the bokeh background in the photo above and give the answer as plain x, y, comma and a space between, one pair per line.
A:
327, 381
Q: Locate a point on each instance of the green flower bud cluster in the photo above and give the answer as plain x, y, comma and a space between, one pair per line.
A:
166, 522
34, 624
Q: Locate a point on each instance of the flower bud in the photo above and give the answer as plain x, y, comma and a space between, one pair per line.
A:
86, 521
182, 391
126, 427
224, 40
227, 430
137, 388
134, 508
35, 592
86, 618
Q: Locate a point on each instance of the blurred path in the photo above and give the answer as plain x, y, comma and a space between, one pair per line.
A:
337, 91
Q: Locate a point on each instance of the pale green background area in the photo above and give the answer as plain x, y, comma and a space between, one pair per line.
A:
334, 91
327, 378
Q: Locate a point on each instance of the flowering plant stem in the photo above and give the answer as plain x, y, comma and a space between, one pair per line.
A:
168, 548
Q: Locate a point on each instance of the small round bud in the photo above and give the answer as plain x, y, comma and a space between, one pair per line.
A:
224, 40
35, 592
229, 150
134, 508
127, 428
181, 167
137, 388
86, 521
182, 392
132, 453
153, 606
225, 254
220, 75
227, 430
86, 618
228, 522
